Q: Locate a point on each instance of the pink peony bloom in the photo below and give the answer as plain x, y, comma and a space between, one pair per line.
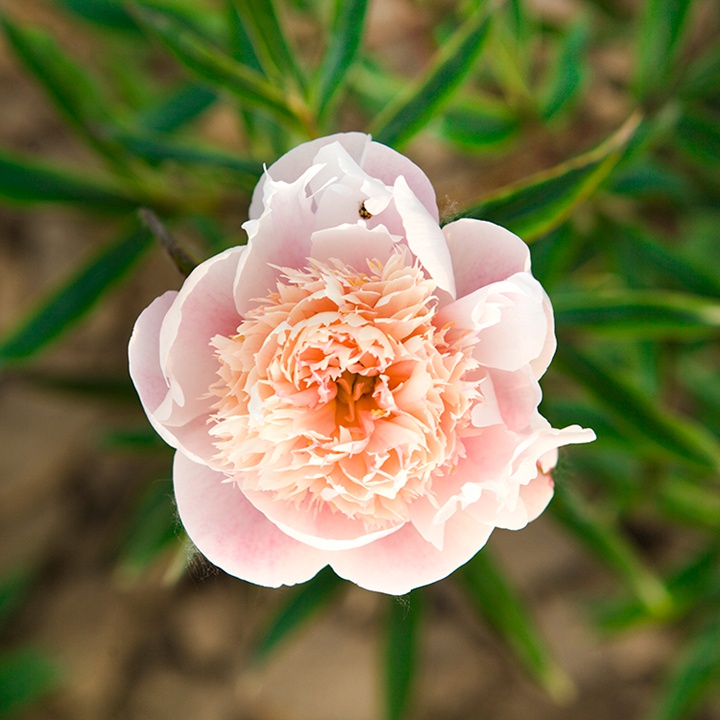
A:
357, 387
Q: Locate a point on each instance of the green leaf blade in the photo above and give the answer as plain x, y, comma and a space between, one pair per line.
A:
403, 624
411, 110
75, 297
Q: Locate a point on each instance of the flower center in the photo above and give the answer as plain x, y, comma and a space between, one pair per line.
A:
339, 389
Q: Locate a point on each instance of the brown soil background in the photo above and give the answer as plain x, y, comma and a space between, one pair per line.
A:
150, 649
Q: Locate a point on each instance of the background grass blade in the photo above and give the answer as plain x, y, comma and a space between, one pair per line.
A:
478, 124
26, 181
638, 414
401, 641
539, 204
638, 314
217, 68
26, 675
181, 107
303, 603
344, 37
413, 109
493, 597
271, 45
608, 545
73, 299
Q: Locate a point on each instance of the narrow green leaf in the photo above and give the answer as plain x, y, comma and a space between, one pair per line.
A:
75, 93
75, 297
660, 33
701, 80
269, 41
492, 595
305, 602
107, 13
181, 107
141, 440
638, 414
155, 148
638, 314
640, 247
344, 37
694, 583
604, 541
14, 587
536, 205
212, 65
26, 675
478, 124
25, 181
697, 505
648, 179
568, 71
698, 134
696, 675
401, 640
104, 389
241, 46
412, 109
152, 529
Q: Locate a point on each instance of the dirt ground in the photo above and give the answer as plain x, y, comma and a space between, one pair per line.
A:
151, 649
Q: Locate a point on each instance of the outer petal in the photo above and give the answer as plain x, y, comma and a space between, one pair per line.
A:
404, 560
144, 361
483, 253
377, 160
235, 536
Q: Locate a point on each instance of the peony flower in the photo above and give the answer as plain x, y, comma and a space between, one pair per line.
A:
357, 387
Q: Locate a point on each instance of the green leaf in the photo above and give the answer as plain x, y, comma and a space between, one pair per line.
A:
412, 109
660, 33
25, 181
694, 583
492, 595
648, 179
158, 148
152, 529
639, 247
26, 675
640, 415
542, 202
604, 541
344, 37
478, 124
698, 134
697, 505
107, 13
401, 640
702, 78
638, 314
269, 41
104, 389
75, 297
695, 676
303, 603
74, 91
181, 107
14, 587
568, 71
217, 68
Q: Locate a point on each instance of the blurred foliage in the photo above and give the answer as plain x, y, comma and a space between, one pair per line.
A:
624, 238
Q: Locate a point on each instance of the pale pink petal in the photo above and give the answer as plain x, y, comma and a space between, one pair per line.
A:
203, 308
424, 236
483, 253
404, 560
320, 527
144, 361
517, 395
233, 535
540, 364
353, 245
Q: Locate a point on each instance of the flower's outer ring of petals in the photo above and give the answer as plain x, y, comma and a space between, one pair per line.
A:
353, 245
322, 529
280, 237
424, 236
404, 560
509, 319
483, 253
144, 363
233, 535
376, 159
516, 395
540, 364
203, 308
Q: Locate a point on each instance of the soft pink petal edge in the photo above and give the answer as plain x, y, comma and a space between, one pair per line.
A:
232, 534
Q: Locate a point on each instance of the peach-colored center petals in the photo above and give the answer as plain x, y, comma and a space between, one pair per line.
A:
341, 389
